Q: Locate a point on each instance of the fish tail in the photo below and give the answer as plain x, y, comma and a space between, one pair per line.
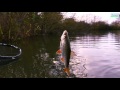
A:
67, 71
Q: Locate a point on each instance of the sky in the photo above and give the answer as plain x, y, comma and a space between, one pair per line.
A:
108, 17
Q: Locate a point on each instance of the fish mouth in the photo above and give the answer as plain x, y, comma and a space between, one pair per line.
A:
65, 32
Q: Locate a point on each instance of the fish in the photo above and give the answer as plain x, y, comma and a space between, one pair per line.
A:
65, 51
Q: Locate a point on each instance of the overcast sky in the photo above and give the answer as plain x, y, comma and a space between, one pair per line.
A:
103, 16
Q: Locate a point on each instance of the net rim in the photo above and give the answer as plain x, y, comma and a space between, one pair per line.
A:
11, 57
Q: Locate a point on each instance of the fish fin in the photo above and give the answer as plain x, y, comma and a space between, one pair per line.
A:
58, 52
73, 54
62, 59
67, 71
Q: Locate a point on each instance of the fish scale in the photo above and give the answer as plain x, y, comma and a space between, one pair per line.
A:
65, 51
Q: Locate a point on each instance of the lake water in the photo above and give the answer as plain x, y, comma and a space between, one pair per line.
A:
98, 56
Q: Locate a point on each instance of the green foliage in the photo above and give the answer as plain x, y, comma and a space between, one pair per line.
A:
69, 24
17, 25
51, 22
115, 25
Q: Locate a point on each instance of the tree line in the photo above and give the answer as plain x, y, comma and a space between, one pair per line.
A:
17, 25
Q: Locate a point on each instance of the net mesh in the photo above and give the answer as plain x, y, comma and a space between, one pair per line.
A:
8, 51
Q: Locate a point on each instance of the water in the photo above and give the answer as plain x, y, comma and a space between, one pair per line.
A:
97, 57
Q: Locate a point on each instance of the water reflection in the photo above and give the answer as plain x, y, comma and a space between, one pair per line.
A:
78, 67
101, 53
36, 60
97, 56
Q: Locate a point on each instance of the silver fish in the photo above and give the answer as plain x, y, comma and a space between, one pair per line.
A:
65, 51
